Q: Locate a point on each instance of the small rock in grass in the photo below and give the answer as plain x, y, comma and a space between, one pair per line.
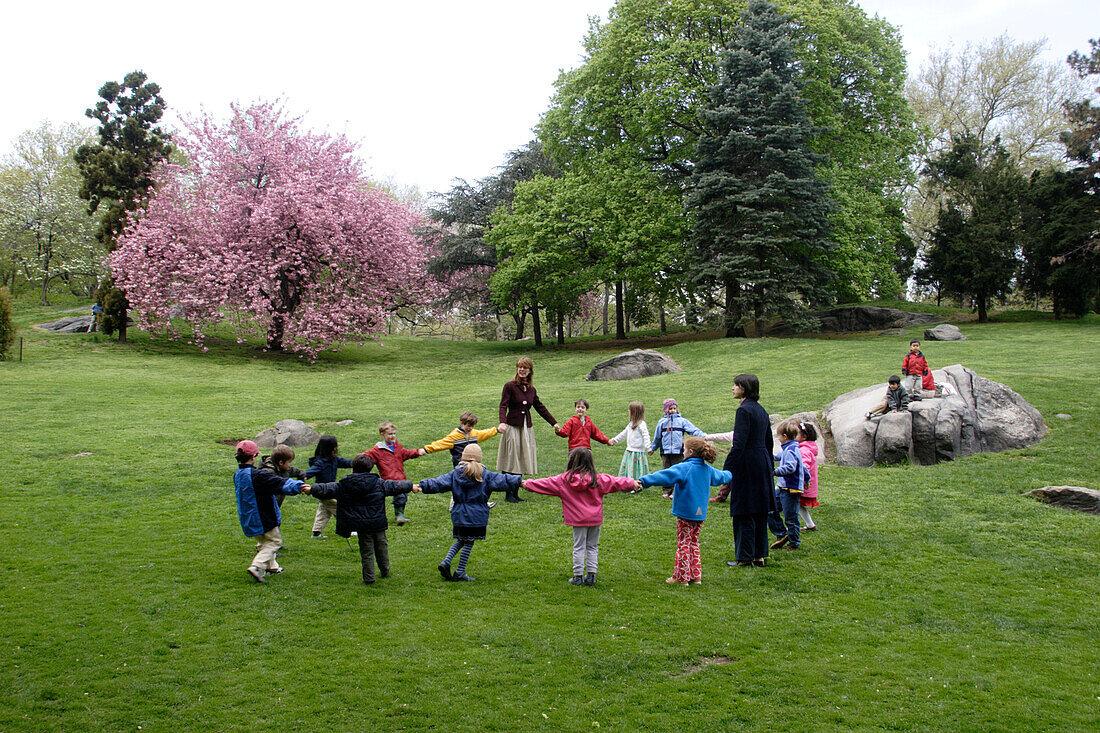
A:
342, 423
1064, 416
1077, 498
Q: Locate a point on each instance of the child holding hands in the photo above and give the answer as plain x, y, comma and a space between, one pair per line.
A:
581, 491
256, 507
635, 464
390, 457
690, 481
580, 430
789, 488
669, 435
462, 436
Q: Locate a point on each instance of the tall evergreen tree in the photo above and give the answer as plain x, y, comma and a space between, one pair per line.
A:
973, 245
118, 170
761, 210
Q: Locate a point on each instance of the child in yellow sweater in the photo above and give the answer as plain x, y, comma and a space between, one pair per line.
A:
462, 436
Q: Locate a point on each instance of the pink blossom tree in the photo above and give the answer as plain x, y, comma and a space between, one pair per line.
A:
275, 231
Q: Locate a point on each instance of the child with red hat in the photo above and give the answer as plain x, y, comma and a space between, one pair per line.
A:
258, 511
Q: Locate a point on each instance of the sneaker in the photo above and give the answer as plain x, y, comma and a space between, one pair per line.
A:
590, 579
792, 547
866, 416
780, 542
445, 570
576, 580
462, 577
735, 564
256, 574
810, 529
275, 571
695, 582
318, 536
490, 504
673, 581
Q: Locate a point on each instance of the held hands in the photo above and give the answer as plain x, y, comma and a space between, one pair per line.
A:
638, 485
422, 452
502, 428
416, 488
305, 489
611, 442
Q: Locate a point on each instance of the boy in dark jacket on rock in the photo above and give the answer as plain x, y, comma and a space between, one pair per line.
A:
896, 399
361, 507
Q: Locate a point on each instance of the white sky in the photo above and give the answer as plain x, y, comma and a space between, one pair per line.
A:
432, 89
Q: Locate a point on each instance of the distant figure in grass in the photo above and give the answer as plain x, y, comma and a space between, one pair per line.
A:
669, 434
635, 464
518, 453
390, 457
807, 447
581, 491
789, 488
361, 510
259, 513
323, 467
462, 436
896, 399
752, 496
690, 481
470, 485
918, 377
580, 430
280, 463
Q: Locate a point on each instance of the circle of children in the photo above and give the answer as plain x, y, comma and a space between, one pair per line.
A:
358, 499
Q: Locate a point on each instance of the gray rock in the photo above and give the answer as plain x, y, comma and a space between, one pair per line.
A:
851, 318
342, 423
1064, 416
893, 332
944, 332
980, 416
76, 324
1077, 498
294, 433
632, 365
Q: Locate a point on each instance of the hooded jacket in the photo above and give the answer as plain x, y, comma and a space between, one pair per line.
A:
256, 492
360, 501
581, 503
580, 431
471, 507
690, 481
808, 449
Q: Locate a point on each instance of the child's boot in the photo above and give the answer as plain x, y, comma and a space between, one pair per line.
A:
590, 579
576, 580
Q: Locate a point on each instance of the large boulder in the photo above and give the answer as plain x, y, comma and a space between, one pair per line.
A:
294, 433
852, 318
632, 365
1077, 498
944, 332
75, 324
974, 415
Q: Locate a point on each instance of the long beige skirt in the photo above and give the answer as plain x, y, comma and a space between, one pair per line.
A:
517, 452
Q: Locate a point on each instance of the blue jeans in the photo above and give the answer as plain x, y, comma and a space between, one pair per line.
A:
788, 503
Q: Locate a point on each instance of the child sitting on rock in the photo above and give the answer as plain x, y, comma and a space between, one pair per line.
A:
896, 399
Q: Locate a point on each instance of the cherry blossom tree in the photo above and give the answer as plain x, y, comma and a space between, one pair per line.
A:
274, 231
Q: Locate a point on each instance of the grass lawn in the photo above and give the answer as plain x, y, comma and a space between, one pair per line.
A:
932, 598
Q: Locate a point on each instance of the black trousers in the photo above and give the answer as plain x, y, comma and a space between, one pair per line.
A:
750, 536
373, 546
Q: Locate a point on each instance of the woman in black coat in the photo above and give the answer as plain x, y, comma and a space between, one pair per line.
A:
752, 490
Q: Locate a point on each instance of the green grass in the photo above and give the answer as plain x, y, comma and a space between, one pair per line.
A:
932, 598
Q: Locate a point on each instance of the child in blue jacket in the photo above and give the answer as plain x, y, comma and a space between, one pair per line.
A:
690, 482
668, 435
322, 467
789, 487
259, 513
470, 485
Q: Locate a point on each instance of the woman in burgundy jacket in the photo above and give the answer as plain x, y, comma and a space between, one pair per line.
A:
517, 452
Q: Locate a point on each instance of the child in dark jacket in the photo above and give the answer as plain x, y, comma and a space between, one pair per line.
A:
322, 467
280, 463
259, 514
788, 489
470, 485
361, 509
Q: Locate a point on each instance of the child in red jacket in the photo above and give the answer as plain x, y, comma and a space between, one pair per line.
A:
914, 367
390, 457
580, 430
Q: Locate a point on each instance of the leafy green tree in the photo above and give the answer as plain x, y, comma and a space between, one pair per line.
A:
7, 325
45, 224
1083, 138
118, 170
647, 73
973, 246
761, 211
1061, 259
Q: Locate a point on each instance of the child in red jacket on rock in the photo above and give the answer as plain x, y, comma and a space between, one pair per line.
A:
580, 430
918, 377
390, 457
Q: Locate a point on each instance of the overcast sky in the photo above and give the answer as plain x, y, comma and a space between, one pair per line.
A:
433, 90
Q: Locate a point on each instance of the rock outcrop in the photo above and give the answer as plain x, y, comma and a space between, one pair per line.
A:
294, 433
979, 416
632, 365
75, 324
852, 318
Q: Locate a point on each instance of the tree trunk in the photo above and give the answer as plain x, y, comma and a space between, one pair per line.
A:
537, 325
691, 315
45, 285
275, 332
606, 302
983, 309
734, 328
620, 326
561, 329
661, 313
521, 321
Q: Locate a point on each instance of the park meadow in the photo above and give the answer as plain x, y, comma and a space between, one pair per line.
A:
932, 597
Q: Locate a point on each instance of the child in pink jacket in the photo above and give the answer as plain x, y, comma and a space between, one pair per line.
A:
807, 447
581, 491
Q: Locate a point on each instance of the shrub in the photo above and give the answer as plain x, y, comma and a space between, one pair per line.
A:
7, 325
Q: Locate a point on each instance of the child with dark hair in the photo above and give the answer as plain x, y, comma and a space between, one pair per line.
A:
581, 491
918, 377
361, 510
462, 436
256, 507
470, 485
323, 467
390, 457
580, 430
280, 463
788, 488
896, 399
807, 447
690, 481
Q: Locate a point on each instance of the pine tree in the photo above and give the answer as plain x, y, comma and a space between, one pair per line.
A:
118, 170
760, 208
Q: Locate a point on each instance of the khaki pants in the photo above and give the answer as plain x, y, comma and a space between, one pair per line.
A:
326, 510
269, 542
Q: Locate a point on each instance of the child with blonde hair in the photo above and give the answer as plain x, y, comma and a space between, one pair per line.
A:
390, 457
470, 485
690, 481
635, 464
581, 491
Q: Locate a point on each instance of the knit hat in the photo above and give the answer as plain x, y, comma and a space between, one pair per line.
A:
669, 404
248, 448
472, 452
